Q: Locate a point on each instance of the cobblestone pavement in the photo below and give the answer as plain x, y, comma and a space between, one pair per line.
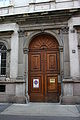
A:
78, 107
3, 106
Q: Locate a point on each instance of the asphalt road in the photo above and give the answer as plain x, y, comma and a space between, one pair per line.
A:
13, 117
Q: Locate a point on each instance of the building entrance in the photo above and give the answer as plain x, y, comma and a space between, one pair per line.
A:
43, 69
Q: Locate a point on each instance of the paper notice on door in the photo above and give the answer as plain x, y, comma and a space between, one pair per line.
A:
35, 83
52, 80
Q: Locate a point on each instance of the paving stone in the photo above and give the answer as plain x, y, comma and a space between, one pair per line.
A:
78, 107
3, 106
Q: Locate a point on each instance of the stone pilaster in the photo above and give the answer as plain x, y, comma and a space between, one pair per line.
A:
66, 64
20, 55
73, 50
14, 53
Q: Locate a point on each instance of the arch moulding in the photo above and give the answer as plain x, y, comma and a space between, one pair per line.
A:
34, 34
5, 43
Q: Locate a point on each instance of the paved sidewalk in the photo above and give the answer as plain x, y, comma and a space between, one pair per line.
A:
42, 109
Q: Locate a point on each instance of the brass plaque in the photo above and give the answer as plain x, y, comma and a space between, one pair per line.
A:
52, 80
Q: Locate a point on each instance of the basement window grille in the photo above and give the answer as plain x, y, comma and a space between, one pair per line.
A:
3, 53
2, 88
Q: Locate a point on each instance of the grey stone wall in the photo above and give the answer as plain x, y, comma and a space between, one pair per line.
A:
17, 38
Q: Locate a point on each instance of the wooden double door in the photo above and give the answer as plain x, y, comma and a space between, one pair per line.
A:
43, 69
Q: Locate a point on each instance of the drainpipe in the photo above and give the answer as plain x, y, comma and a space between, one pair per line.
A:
61, 74
27, 98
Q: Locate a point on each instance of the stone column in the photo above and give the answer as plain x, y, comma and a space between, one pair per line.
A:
14, 54
73, 50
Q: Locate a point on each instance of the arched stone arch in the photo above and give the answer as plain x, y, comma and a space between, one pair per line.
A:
34, 34
5, 43
28, 40
44, 41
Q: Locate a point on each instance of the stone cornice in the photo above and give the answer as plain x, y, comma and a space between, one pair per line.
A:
6, 33
71, 80
12, 82
43, 27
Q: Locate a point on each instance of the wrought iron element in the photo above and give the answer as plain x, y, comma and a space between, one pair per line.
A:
3, 53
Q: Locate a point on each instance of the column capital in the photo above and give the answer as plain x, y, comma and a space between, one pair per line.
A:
21, 33
78, 46
25, 50
72, 30
61, 48
65, 29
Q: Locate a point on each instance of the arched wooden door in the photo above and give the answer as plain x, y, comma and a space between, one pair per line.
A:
43, 69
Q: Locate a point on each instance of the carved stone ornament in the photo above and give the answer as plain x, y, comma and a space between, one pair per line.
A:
25, 50
61, 48
78, 46
21, 33
72, 30
65, 29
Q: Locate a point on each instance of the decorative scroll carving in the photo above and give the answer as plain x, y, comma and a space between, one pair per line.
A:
21, 33
65, 29
61, 49
72, 30
25, 50
78, 46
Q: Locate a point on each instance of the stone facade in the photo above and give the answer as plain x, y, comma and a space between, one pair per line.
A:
20, 21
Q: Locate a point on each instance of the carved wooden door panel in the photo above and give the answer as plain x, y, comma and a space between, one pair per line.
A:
51, 76
43, 69
36, 76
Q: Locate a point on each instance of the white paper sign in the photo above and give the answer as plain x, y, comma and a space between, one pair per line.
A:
35, 83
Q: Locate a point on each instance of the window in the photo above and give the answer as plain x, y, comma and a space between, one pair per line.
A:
3, 52
2, 88
4, 3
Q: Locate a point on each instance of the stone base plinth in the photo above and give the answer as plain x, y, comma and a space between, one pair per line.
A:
12, 91
12, 99
71, 91
70, 100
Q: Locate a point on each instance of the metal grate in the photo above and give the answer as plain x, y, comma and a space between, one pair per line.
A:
2, 88
3, 53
